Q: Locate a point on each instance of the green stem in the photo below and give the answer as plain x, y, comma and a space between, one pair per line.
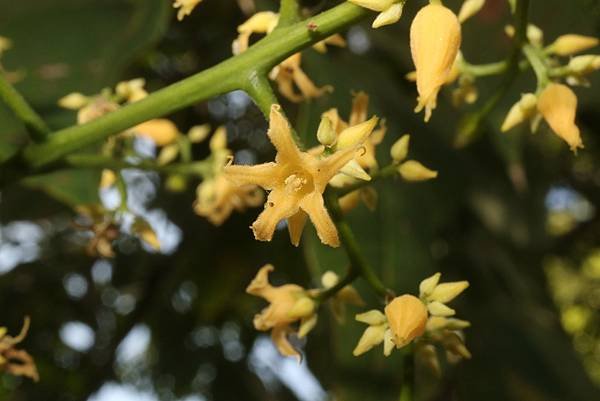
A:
13, 99
536, 59
229, 75
358, 262
408, 377
470, 124
289, 13
196, 169
260, 90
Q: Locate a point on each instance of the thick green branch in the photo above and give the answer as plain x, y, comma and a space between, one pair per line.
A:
358, 262
229, 75
13, 99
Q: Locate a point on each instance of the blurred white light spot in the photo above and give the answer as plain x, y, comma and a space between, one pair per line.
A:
102, 272
19, 243
124, 304
134, 345
269, 365
77, 335
75, 285
358, 40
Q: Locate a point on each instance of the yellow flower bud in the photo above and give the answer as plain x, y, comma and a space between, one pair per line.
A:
219, 140
375, 5
557, 104
160, 130
523, 110
167, 154
107, 179
388, 342
399, 149
389, 16
372, 317
5, 44
584, 64
434, 42
326, 135
412, 170
566, 45
534, 34
198, 133
356, 134
372, 337
469, 9
353, 169
446, 292
303, 307
436, 308
73, 101
407, 317
428, 285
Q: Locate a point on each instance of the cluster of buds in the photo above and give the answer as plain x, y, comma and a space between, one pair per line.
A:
296, 181
292, 309
409, 170
15, 361
216, 196
554, 102
334, 134
407, 318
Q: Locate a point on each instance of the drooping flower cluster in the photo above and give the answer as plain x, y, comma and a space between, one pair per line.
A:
15, 361
296, 181
292, 310
555, 102
407, 318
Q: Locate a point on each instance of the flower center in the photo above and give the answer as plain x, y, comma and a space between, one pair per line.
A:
298, 183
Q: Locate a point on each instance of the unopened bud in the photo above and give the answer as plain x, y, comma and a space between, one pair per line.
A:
372, 317
198, 133
412, 170
326, 135
566, 45
73, 101
446, 292
357, 134
407, 317
428, 285
389, 16
584, 64
436, 308
399, 149
523, 110
469, 9
372, 337
218, 140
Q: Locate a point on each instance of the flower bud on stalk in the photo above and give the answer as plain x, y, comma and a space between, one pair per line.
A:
434, 42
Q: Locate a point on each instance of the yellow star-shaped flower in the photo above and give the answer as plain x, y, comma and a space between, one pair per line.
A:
296, 181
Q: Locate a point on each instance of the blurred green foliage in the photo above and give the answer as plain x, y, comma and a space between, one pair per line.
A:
485, 219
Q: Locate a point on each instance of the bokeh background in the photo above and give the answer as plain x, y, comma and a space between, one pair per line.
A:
515, 214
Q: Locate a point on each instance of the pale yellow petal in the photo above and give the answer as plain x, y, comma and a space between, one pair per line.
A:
279, 338
280, 205
280, 134
296, 225
314, 206
264, 175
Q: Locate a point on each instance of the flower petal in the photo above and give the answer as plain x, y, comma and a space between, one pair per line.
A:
331, 165
264, 175
296, 225
279, 337
314, 206
280, 205
280, 135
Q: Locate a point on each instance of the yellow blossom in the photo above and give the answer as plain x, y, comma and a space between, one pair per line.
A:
288, 304
296, 181
558, 104
407, 317
390, 11
434, 42
162, 131
185, 7
73, 101
289, 75
569, 44
14, 361
399, 149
